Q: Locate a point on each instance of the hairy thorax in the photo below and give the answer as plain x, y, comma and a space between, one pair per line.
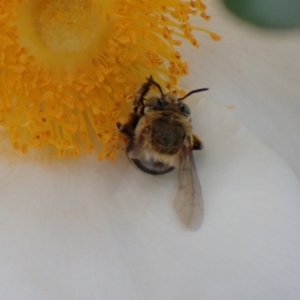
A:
167, 135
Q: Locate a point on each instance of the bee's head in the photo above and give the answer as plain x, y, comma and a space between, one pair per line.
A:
155, 102
167, 101
184, 108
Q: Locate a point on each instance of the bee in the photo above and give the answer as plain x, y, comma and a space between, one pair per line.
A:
161, 139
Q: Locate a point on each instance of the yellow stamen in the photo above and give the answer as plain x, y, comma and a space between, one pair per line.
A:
69, 69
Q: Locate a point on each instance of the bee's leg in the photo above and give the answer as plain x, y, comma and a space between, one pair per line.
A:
151, 80
197, 143
141, 93
129, 127
126, 129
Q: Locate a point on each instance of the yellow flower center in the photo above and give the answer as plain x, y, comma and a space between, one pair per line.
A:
69, 68
62, 34
68, 25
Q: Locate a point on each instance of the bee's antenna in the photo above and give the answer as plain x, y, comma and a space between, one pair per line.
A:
157, 85
193, 92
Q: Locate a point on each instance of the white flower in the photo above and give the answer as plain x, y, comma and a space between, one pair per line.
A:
81, 229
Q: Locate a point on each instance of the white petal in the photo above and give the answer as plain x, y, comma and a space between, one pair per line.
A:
255, 71
88, 230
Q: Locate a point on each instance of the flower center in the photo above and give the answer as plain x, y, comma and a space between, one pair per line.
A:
65, 25
62, 34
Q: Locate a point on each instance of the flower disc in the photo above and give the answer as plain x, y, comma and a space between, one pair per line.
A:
69, 69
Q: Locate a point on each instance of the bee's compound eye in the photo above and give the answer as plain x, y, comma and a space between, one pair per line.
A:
185, 109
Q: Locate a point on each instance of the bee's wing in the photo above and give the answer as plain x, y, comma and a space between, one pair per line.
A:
188, 201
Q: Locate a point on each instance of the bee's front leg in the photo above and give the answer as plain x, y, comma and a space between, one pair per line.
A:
129, 127
197, 144
141, 93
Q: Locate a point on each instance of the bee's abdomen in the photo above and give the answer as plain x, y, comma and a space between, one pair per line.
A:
167, 135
